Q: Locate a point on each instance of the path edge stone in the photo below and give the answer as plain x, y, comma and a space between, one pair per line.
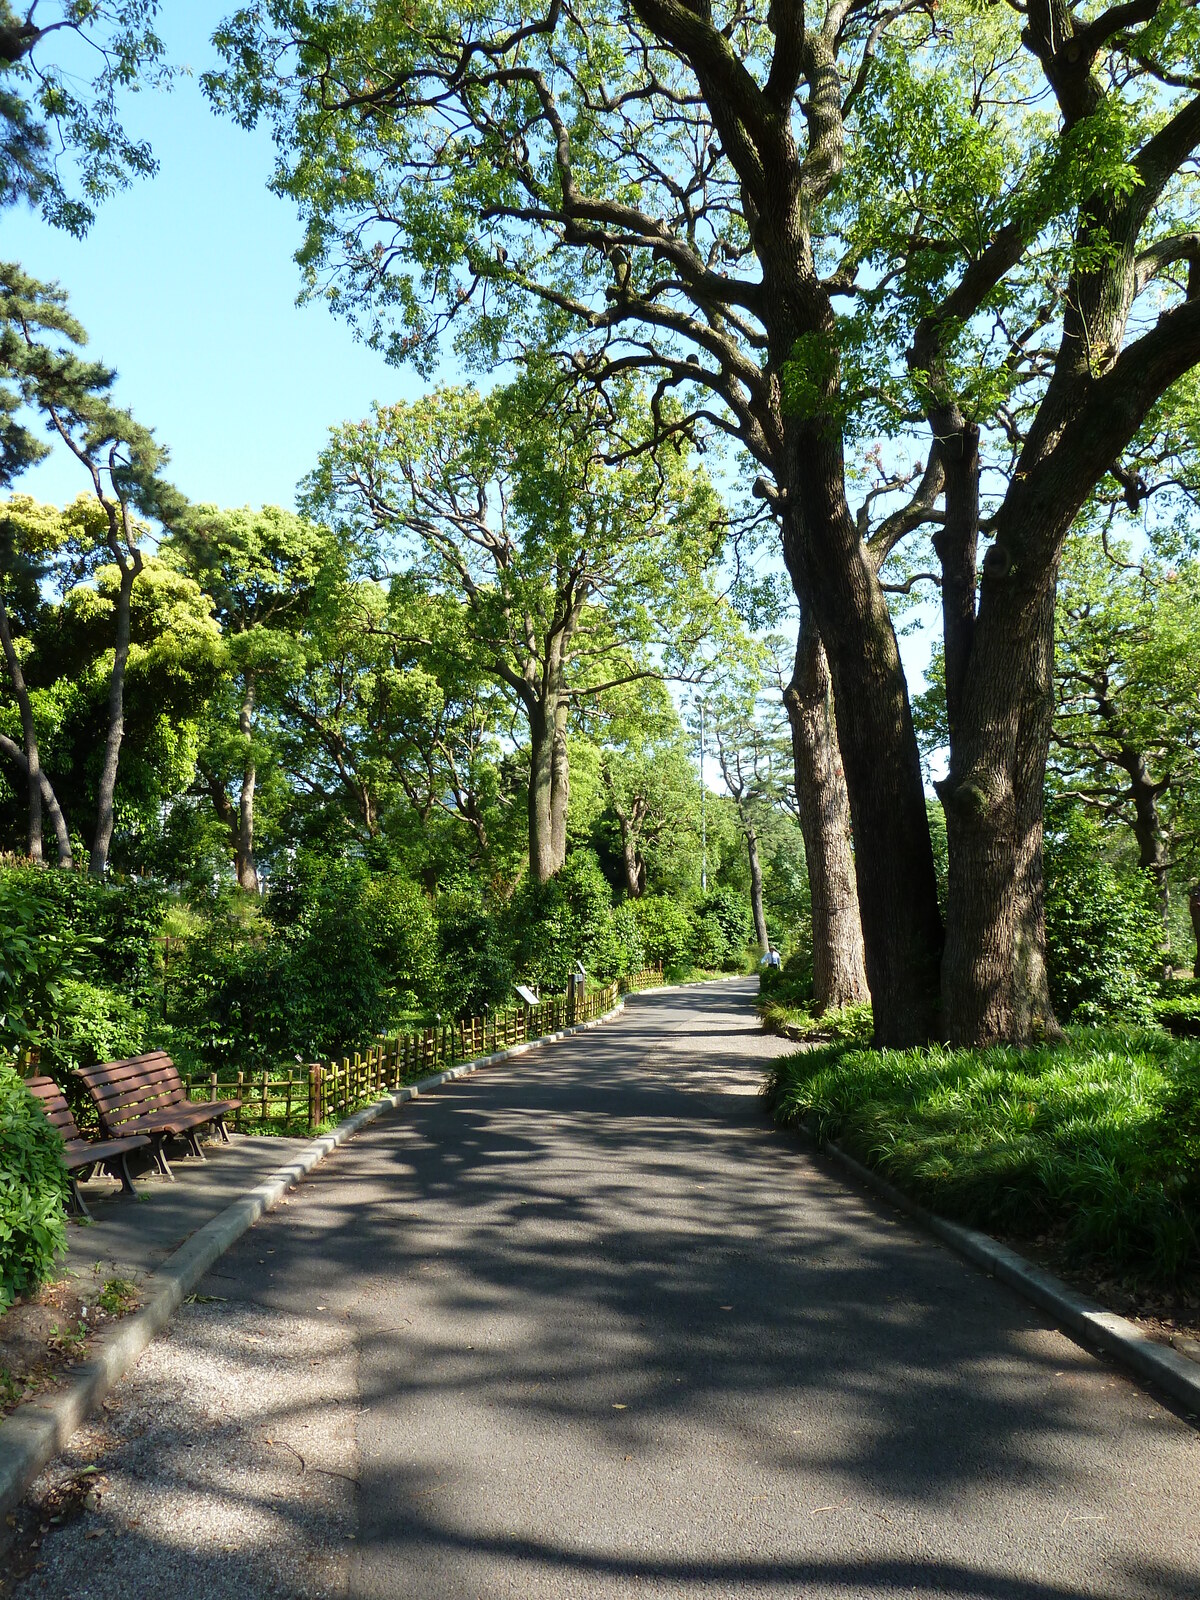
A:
1084, 1319
38, 1430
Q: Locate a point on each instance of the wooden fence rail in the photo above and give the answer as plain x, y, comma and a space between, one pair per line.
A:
296, 1099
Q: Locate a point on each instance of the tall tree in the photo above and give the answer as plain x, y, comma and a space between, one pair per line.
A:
39, 343
27, 533
578, 573
1001, 203
650, 786
823, 812
391, 714
261, 568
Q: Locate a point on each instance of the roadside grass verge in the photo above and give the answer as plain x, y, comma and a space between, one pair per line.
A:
1094, 1141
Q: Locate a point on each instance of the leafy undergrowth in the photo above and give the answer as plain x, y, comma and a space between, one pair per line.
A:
850, 1025
1179, 1009
1094, 1141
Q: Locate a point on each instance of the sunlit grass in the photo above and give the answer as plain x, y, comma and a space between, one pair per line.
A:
1096, 1139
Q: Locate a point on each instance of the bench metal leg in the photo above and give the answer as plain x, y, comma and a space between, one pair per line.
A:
194, 1144
118, 1168
219, 1124
160, 1161
77, 1202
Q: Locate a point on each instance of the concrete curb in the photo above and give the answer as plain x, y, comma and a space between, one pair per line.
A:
1087, 1321
39, 1430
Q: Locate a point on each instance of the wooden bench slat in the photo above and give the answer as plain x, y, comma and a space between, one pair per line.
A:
146, 1094
78, 1151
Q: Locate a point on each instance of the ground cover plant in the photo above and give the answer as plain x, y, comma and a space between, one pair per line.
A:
1094, 1140
33, 1191
1177, 1008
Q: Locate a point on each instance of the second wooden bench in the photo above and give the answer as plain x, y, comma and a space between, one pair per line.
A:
146, 1095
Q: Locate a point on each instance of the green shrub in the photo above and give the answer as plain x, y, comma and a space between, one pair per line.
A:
709, 949
474, 966
233, 993
111, 929
33, 1191
791, 984
722, 931
36, 955
1097, 1138
1180, 1013
1103, 935
665, 927
93, 1024
334, 956
572, 918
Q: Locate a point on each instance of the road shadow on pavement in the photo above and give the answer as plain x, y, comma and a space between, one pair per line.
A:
615, 1335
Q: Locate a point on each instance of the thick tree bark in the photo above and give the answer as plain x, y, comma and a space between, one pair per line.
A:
247, 869
130, 566
549, 787
957, 546
1194, 911
839, 970
33, 763
995, 982
838, 587
50, 800
756, 888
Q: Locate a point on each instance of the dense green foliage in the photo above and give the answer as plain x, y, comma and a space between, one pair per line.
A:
80, 965
1095, 1141
1103, 936
33, 1191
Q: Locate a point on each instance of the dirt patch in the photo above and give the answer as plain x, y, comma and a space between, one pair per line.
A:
43, 1336
1167, 1316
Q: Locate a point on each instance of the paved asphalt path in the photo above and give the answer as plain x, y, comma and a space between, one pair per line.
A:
585, 1326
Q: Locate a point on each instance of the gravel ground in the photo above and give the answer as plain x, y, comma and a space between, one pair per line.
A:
224, 1466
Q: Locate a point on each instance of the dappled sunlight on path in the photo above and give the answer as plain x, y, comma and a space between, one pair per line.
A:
613, 1334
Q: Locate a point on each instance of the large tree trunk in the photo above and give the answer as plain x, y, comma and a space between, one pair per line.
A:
247, 869
995, 983
49, 799
549, 788
28, 734
839, 971
1194, 910
98, 859
836, 582
756, 889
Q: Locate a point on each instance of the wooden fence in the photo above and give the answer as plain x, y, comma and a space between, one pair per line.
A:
301, 1098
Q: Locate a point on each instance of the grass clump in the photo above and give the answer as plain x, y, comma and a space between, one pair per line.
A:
1094, 1140
785, 1004
849, 1025
117, 1297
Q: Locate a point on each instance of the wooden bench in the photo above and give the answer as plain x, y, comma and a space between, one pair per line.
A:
79, 1152
146, 1095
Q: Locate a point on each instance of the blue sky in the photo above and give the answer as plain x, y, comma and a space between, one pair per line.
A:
187, 286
